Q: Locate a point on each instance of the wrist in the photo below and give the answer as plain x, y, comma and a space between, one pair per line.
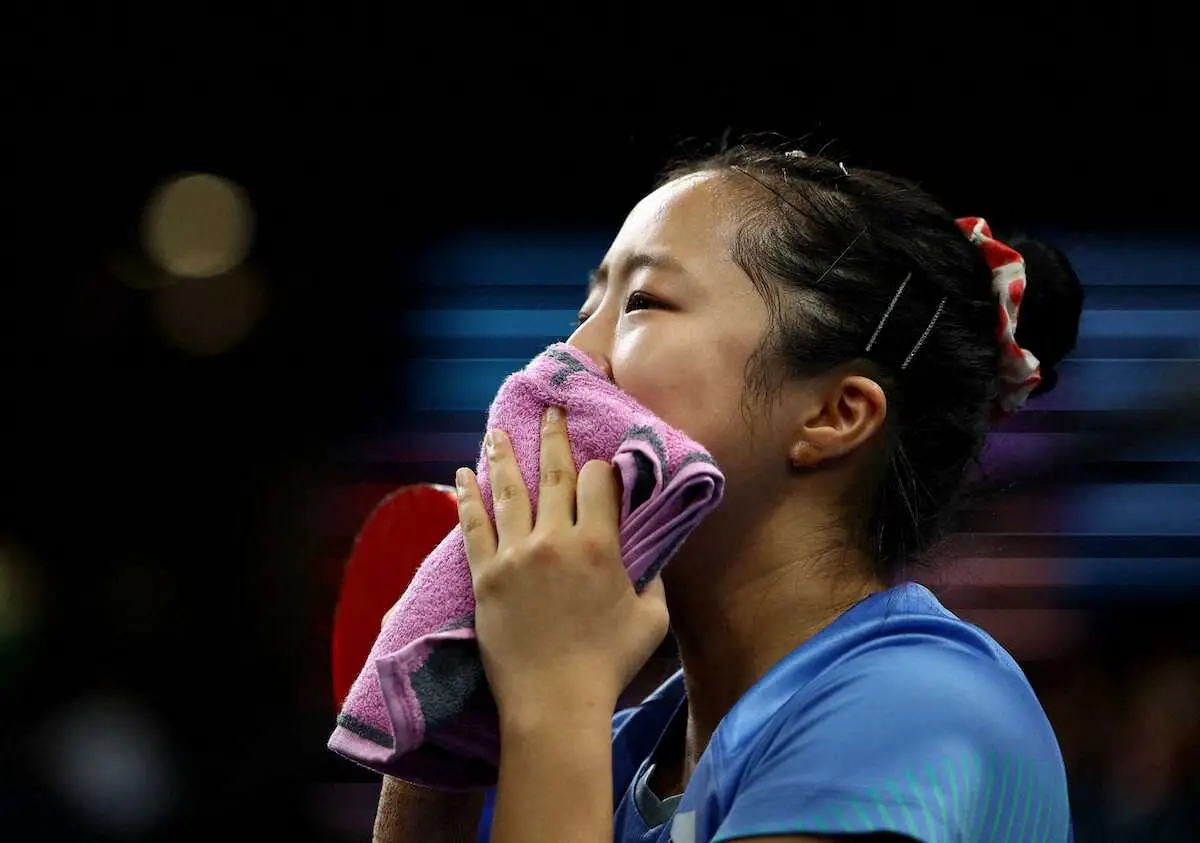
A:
556, 714
555, 771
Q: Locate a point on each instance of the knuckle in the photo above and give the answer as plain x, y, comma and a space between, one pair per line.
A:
487, 584
473, 521
543, 548
551, 476
596, 546
508, 557
505, 493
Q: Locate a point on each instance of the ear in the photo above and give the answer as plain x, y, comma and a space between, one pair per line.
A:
842, 414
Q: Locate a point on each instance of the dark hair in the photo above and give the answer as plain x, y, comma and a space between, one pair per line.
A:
828, 247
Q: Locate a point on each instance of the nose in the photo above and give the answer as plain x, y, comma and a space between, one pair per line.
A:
592, 339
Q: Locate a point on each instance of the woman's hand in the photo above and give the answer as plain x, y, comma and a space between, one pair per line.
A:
557, 619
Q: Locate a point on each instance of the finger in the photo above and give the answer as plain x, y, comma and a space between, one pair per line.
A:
478, 534
556, 481
510, 498
597, 495
388, 614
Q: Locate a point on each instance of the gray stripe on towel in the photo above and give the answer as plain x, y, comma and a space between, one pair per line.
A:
451, 674
646, 434
570, 367
364, 730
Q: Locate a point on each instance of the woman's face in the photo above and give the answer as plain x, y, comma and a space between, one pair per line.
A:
675, 321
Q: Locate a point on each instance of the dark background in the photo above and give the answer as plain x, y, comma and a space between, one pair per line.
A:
168, 508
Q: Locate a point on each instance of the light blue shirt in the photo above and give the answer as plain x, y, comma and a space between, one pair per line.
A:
897, 717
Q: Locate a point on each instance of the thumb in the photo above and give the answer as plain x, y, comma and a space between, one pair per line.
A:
654, 592
653, 600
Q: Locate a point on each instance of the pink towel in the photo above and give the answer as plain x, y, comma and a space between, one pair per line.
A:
420, 709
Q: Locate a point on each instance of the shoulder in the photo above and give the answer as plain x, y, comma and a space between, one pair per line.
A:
945, 673
898, 719
909, 688
912, 732
924, 741
899, 669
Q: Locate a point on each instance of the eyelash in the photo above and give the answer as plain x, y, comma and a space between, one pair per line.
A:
635, 295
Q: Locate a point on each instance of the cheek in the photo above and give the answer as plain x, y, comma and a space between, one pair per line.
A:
695, 389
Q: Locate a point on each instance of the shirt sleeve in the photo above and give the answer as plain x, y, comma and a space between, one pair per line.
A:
937, 747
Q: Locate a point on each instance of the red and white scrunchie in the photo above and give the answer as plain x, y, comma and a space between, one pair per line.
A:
1020, 372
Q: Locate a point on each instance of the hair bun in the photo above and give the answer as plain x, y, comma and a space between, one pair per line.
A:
1048, 325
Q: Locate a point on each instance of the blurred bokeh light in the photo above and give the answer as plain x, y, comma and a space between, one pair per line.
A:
198, 225
108, 760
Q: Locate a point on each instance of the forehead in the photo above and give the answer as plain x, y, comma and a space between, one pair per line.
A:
687, 217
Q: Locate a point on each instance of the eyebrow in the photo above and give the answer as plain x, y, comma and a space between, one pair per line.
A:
634, 262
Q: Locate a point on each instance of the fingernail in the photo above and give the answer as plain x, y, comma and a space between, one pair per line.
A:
460, 481
553, 415
493, 440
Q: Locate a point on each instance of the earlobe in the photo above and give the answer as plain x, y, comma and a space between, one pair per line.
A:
805, 454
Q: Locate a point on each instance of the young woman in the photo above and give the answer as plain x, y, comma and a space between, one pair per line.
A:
840, 344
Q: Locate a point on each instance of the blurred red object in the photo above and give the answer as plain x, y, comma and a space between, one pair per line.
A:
395, 539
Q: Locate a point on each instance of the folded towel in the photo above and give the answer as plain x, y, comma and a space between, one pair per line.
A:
420, 709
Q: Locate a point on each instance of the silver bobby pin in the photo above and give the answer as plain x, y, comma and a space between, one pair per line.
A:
844, 170
924, 336
795, 153
887, 313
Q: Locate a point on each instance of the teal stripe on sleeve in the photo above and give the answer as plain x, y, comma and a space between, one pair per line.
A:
1018, 795
886, 815
998, 808
910, 825
919, 792
1035, 834
948, 819
956, 813
984, 806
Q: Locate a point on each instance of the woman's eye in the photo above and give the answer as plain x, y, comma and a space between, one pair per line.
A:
638, 301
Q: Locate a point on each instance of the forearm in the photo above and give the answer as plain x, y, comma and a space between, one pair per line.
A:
408, 813
556, 778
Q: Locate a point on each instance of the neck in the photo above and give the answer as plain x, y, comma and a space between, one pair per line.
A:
746, 604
